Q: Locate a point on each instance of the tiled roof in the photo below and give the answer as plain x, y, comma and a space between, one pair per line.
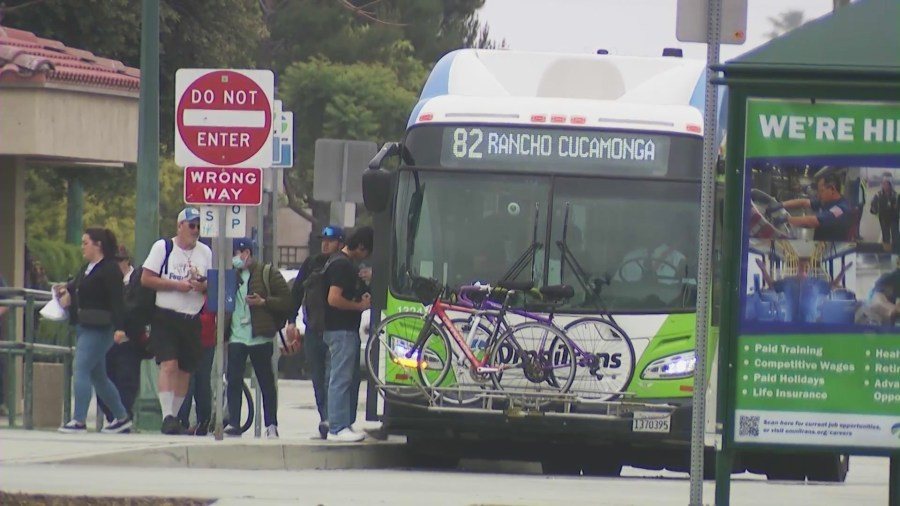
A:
25, 57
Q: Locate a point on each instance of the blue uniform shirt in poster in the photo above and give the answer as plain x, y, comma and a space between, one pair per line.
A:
836, 220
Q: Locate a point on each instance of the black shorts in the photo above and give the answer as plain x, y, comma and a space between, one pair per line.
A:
176, 336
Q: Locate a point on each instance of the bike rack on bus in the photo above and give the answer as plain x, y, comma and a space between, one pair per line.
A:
517, 404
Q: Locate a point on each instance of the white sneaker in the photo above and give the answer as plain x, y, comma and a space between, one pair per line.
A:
272, 432
346, 436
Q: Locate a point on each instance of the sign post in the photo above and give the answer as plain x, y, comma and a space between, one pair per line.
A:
223, 123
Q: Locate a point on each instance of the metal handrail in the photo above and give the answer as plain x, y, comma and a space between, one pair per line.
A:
30, 300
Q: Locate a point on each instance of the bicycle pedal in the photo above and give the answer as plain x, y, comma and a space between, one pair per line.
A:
487, 370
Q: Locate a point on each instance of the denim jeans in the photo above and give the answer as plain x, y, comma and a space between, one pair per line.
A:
318, 362
90, 372
123, 366
343, 383
199, 391
261, 360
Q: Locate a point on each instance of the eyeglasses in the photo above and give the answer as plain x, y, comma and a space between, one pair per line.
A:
193, 226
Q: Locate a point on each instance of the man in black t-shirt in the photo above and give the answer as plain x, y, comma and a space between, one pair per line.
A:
314, 349
348, 297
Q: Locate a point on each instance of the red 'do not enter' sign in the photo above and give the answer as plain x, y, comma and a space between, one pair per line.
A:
224, 118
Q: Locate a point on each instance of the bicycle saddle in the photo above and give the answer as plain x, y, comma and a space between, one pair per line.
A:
557, 293
516, 286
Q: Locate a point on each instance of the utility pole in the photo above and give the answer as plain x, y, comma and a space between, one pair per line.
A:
146, 230
147, 219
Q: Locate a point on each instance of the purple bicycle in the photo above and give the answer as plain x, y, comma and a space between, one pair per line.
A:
603, 352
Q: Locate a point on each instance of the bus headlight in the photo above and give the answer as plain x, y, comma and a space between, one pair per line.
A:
671, 367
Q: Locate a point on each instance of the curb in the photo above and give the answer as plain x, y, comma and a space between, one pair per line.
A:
256, 457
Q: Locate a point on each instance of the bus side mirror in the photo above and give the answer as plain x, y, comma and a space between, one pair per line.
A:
377, 182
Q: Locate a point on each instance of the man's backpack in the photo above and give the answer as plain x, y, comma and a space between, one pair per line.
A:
140, 301
280, 317
315, 299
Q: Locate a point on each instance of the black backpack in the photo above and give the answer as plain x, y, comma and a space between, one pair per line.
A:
281, 317
140, 301
315, 299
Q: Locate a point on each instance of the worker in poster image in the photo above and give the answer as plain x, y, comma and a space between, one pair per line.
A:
833, 220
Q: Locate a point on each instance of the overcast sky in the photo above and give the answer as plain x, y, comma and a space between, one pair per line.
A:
625, 27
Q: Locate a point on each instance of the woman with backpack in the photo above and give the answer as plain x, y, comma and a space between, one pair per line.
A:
96, 307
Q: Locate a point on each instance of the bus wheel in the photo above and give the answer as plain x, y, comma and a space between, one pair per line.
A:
609, 467
561, 466
786, 468
831, 468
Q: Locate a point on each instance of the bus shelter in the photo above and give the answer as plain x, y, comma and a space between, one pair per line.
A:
810, 354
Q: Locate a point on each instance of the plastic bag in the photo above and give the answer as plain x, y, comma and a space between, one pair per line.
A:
53, 311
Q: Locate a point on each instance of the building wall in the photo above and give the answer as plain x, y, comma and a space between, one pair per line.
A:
66, 122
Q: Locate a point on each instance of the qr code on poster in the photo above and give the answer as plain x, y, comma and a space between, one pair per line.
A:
749, 426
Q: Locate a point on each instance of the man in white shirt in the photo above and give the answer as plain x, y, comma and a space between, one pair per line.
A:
180, 284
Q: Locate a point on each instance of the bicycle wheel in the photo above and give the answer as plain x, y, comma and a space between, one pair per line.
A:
386, 359
248, 400
248, 411
463, 382
605, 357
533, 357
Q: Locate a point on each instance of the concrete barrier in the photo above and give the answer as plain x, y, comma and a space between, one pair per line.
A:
48, 395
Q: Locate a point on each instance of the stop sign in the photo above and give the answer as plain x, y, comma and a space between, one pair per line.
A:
223, 117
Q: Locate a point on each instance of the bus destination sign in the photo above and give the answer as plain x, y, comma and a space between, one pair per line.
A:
597, 150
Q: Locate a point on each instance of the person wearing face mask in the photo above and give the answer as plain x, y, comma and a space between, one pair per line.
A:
252, 328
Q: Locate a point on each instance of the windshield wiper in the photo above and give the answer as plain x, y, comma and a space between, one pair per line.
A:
590, 286
529, 255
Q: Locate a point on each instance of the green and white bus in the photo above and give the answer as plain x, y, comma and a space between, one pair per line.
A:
508, 155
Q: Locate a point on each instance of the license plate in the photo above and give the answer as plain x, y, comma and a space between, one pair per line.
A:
651, 422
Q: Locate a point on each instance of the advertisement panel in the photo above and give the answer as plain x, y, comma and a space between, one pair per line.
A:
818, 360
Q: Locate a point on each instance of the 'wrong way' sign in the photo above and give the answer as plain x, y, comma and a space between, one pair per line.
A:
223, 117
223, 186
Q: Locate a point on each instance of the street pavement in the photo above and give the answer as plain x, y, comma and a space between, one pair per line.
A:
151, 465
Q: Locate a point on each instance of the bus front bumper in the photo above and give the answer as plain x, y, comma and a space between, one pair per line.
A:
655, 428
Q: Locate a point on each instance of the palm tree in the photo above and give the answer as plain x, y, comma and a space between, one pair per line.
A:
785, 22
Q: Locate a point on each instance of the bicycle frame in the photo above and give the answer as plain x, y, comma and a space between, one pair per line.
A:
548, 320
439, 309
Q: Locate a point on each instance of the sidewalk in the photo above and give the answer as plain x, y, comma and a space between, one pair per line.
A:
295, 449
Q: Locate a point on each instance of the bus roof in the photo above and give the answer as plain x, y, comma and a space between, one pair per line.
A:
506, 83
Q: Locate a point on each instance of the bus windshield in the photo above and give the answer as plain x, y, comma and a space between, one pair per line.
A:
640, 238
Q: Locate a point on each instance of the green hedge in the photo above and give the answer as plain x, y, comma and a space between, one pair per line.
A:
60, 260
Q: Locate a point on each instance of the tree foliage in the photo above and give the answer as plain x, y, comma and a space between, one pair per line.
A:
301, 29
785, 22
359, 101
107, 202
